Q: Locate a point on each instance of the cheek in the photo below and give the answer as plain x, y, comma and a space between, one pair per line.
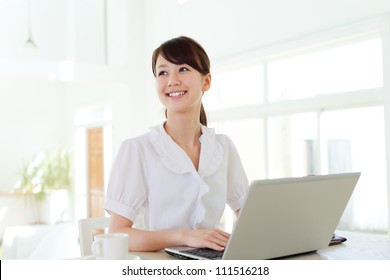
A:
159, 87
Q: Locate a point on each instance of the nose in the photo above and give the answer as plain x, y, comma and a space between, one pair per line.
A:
173, 80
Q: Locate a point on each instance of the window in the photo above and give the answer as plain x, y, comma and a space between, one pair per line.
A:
292, 145
347, 68
247, 135
354, 140
318, 111
236, 87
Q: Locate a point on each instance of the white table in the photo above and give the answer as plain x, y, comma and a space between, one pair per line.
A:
357, 247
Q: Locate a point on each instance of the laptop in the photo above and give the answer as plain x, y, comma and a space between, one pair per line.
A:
284, 217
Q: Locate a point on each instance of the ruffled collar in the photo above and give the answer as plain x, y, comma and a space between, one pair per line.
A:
176, 160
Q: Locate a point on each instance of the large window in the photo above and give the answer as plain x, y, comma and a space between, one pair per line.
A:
319, 110
346, 68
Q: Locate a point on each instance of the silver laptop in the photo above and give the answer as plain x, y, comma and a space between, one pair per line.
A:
284, 217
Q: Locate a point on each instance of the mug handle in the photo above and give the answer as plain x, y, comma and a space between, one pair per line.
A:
96, 248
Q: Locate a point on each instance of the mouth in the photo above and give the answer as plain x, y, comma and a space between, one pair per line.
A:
176, 93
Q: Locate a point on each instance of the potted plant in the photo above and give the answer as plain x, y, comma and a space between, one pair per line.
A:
47, 173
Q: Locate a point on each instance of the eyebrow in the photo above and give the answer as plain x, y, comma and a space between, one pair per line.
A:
162, 66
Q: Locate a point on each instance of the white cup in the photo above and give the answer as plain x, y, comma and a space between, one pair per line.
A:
110, 246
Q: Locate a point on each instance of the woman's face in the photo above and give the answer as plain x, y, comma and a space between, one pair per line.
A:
180, 87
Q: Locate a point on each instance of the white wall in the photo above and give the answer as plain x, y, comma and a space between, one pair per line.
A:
32, 119
33, 105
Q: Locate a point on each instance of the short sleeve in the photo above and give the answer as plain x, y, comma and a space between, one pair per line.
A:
126, 190
237, 182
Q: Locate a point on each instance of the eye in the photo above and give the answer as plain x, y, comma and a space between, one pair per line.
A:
184, 69
162, 73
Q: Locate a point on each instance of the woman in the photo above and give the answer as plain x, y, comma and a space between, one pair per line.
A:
169, 187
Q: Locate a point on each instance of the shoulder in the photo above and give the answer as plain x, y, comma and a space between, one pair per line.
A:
142, 139
137, 140
221, 138
132, 144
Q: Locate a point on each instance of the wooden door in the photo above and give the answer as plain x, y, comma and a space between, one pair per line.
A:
95, 172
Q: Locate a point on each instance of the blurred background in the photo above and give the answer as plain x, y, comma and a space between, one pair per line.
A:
302, 87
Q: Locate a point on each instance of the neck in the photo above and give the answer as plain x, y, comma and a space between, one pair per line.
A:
184, 131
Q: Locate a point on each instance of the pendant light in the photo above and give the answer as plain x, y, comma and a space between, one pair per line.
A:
29, 44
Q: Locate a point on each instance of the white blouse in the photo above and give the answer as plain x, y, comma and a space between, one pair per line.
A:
155, 184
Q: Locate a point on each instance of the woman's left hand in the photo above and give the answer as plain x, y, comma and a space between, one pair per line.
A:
206, 238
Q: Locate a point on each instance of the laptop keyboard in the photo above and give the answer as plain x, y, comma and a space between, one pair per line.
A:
206, 253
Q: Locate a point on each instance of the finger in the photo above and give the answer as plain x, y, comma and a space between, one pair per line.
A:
212, 235
219, 242
215, 246
221, 236
223, 233
217, 239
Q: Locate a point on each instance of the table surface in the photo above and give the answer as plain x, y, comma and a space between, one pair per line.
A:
358, 246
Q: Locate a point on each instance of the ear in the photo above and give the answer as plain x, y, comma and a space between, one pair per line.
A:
206, 82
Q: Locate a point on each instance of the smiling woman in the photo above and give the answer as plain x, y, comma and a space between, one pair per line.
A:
184, 57
169, 187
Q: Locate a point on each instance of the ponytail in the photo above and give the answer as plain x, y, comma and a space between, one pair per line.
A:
203, 117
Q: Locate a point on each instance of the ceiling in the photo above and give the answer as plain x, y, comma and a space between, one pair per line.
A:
48, 29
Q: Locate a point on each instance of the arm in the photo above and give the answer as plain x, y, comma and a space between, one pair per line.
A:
143, 240
237, 180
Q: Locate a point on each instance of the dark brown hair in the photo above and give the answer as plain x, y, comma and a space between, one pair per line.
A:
184, 50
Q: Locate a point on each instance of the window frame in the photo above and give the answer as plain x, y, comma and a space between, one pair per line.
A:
364, 30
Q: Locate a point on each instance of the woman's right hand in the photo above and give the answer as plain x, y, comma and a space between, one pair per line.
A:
206, 238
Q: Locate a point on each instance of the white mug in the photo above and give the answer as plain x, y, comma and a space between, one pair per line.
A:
110, 246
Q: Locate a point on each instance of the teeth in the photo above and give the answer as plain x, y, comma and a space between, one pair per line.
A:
173, 94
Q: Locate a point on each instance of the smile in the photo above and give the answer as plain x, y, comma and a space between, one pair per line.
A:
177, 93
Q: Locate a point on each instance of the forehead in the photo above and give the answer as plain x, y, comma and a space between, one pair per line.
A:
162, 62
